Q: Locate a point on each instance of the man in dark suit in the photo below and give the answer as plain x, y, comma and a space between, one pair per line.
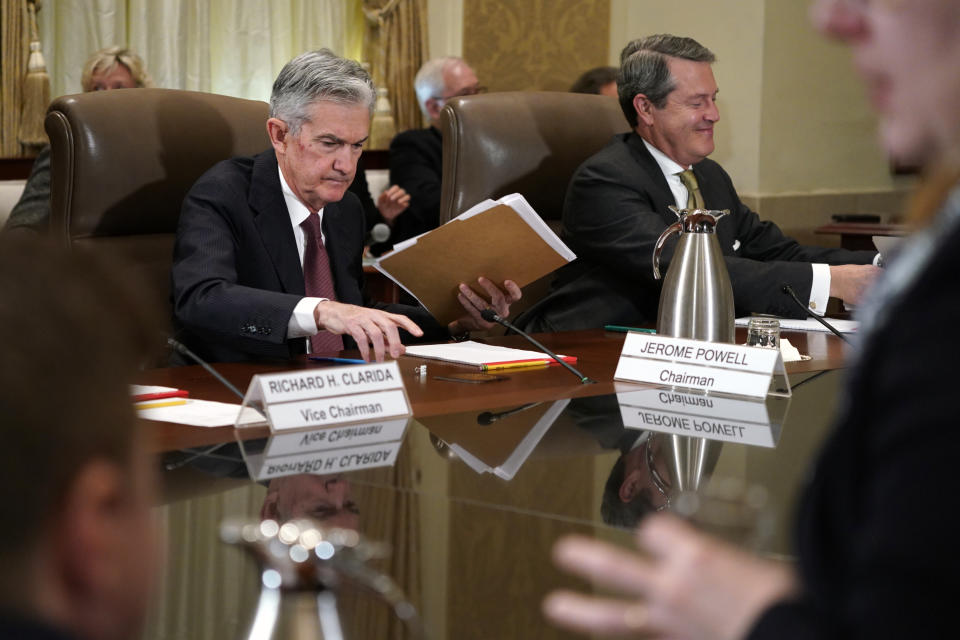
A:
416, 156
617, 207
268, 249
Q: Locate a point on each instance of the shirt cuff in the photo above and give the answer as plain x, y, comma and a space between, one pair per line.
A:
302, 322
878, 260
819, 289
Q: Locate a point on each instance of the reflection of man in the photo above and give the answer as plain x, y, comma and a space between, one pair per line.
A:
617, 207
110, 68
77, 543
630, 491
416, 156
268, 255
328, 499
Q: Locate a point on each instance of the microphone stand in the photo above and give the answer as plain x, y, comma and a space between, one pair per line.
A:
787, 289
491, 316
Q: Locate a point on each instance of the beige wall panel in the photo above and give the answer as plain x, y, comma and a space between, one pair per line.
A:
817, 130
538, 45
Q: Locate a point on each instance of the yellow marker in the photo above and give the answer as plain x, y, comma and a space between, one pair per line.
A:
530, 364
161, 403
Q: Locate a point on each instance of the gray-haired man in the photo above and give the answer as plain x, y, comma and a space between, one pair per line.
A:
267, 262
617, 206
416, 156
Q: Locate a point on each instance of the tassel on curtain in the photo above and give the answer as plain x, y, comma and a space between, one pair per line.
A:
396, 46
36, 87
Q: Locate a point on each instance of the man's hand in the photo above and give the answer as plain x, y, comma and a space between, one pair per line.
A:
850, 281
392, 203
500, 301
366, 326
685, 585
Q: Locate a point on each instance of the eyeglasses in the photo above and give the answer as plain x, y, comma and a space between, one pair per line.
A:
469, 91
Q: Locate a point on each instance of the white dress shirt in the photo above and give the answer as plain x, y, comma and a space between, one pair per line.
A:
820, 287
302, 322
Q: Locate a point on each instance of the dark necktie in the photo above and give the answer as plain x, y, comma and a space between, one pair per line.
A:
318, 280
694, 198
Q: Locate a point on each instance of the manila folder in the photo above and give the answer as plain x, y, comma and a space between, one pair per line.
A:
496, 244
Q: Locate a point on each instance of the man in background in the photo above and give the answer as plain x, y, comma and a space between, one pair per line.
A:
618, 201
110, 68
416, 156
77, 544
599, 80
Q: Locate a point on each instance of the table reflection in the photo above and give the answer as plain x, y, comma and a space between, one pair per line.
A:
469, 546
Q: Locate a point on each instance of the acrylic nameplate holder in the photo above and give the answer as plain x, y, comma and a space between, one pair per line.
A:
326, 397
711, 367
756, 422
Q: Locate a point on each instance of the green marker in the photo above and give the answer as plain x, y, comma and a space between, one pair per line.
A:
619, 329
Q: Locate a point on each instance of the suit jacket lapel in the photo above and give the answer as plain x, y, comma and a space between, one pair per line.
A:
273, 221
661, 194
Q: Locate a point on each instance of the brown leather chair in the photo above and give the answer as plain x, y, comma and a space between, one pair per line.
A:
529, 143
122, 161
525, 142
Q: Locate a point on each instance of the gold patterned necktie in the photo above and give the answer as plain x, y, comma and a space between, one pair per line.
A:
694, 197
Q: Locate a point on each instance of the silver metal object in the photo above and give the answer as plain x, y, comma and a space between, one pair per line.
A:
697, 299
302, 555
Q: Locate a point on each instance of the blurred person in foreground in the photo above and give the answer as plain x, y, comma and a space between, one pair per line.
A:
77, 544
876, 528
107, 69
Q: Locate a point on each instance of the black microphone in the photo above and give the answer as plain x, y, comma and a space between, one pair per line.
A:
181, 348
491, 316
487, 417
787, 289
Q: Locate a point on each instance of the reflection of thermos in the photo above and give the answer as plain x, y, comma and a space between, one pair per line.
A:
691, 461
696, 300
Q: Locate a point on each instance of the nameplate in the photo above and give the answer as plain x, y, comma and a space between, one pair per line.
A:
352, 435
324, 397
750, 422
262, 467
704, 366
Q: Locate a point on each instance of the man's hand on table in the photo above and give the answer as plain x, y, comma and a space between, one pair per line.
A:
367, 327
850, 281
499, 300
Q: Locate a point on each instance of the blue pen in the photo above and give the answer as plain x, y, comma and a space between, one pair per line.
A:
338, 360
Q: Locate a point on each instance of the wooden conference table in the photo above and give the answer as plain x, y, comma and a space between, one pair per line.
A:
470, 549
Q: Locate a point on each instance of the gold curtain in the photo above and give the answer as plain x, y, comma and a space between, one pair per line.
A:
14, 47
396, 46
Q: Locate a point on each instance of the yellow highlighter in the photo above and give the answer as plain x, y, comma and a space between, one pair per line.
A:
523, 364
161, 403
